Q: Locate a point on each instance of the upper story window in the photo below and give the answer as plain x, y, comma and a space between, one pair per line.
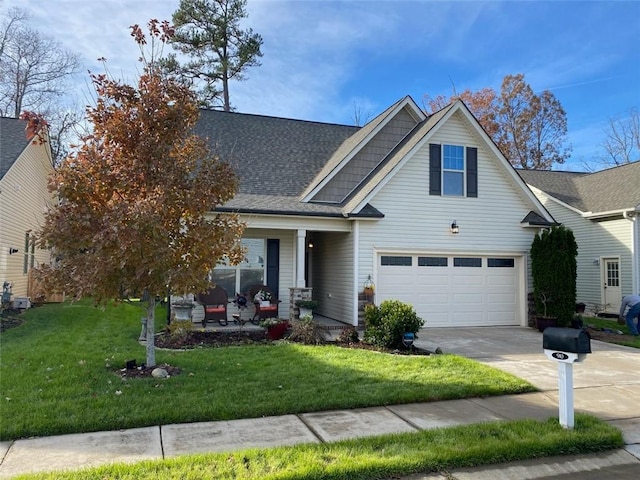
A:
453, 170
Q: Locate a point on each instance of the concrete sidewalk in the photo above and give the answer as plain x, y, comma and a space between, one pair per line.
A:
607, 385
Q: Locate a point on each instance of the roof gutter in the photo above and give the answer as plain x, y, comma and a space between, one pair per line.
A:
623, 212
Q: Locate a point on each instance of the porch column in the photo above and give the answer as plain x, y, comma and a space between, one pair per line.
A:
300, 253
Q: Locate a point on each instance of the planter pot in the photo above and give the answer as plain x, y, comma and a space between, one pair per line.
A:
544, 322
305, 311
265, 303
276, 332
182, 312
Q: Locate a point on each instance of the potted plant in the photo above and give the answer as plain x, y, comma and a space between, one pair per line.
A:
307, 307
554, 271
543, 321
182, 307
263, 297
275, 327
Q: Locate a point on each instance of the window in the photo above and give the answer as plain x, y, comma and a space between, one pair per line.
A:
395, 261
25, 265
238, 278
453, 170
500, 263
467, 262
432, 261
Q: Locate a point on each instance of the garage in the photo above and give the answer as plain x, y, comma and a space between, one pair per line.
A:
453, 290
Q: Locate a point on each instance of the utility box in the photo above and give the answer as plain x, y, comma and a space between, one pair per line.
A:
21, 303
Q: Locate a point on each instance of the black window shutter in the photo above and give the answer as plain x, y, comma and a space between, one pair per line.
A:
435, 166
273, 264
472, 172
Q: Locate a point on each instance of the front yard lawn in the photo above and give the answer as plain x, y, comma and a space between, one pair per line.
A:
59, 373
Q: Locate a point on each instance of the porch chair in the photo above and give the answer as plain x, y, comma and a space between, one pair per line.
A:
215, 303
263, 311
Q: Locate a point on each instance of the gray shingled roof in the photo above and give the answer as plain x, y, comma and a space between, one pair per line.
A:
13, 141
271, 155
616, 188
349, 145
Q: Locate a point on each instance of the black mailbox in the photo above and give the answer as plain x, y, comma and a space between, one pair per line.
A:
571, 340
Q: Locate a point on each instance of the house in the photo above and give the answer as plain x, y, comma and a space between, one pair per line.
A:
24, 169
602, 209
425, 207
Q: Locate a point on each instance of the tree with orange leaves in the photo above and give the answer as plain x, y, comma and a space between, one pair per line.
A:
137, 195
529, 129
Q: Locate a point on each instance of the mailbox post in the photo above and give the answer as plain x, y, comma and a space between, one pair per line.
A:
566, 346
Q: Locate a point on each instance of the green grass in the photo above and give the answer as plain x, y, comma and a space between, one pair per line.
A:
58, 374
389, 456
613, 325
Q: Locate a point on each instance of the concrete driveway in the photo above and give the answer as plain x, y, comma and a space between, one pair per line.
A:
606, 384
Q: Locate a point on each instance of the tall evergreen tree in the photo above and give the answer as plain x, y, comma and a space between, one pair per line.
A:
219, 50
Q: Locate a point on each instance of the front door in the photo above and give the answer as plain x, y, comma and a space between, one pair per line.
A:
612, 292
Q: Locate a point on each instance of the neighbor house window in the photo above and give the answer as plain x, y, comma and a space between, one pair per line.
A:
28, 260
251, 271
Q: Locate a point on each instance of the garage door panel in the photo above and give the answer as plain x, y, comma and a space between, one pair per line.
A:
506, 297
462, 279
501, 280
454, 296
434, 299
467, 298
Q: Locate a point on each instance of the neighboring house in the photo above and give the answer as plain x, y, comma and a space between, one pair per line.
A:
25, 166
329, 206
602, 209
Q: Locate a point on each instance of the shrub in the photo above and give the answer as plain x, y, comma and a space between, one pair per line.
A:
554, 271
348, 335
385, 325
180, 329
306, 331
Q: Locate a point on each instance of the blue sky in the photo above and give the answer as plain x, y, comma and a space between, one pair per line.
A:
323, 57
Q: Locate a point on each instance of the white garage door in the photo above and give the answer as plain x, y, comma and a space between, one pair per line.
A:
448, 291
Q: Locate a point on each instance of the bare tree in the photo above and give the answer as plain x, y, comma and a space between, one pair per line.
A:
34, 70
208, 31
622, 142
360, 117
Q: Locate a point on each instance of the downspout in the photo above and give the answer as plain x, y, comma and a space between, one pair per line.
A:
356, 271
635, 249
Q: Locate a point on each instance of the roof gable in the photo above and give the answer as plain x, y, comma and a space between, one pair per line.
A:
360, 154
13, 140
418, 138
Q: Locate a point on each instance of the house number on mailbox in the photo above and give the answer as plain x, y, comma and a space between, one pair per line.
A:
559, 355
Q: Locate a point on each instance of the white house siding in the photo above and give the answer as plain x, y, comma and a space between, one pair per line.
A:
596, 240
286, 275
23, 200
417, 222
332, 280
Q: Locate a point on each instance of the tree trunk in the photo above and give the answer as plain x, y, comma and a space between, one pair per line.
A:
151, 330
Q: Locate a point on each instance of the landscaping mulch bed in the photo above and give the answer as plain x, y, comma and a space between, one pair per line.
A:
9, 321
608, 335
196, 339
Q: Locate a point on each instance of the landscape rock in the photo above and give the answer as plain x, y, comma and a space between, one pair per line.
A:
159, 373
